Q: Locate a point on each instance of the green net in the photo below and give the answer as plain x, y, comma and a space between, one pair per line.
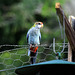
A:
18, 57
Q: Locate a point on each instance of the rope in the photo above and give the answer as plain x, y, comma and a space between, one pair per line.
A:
20, 45
54, 45
14, 45
60, 26
45, 46
17, 47
62, 35
64, 32
58, 54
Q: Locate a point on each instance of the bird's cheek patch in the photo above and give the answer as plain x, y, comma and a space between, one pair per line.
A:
39, 26
42, 25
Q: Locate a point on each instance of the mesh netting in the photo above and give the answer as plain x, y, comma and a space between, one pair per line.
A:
17, 57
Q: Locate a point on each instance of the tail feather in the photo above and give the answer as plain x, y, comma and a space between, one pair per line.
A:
33, 54
28, 52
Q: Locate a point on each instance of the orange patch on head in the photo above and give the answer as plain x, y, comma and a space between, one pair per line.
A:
41, 22
38, 22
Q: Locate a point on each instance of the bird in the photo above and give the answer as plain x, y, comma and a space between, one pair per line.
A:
33, 39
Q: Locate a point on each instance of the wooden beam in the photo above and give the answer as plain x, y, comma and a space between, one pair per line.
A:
69, 53
68, 29
69, 47
72, 22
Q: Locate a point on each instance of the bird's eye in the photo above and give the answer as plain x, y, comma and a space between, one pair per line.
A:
39, 23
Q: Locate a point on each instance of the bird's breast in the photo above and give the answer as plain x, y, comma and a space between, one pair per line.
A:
34, 37
35, 32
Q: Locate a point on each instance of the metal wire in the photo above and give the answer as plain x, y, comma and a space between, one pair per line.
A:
44, 57
54, 45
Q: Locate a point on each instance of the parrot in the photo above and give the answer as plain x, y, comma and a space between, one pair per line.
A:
33, 39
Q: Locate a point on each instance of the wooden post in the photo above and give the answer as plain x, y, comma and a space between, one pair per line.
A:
70, 33
69, 53
69, 47
72, 22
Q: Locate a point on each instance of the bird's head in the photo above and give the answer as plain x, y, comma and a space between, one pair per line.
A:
38, 25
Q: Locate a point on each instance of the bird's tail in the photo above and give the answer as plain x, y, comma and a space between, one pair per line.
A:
28, 52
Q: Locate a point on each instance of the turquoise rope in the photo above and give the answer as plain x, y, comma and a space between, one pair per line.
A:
58, 54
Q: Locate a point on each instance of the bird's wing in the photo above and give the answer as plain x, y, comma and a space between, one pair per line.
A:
27, 37
40, 37
28, 34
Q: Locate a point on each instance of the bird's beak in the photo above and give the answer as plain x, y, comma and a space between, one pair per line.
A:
42, 26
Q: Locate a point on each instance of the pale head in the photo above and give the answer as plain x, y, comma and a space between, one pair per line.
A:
38, 24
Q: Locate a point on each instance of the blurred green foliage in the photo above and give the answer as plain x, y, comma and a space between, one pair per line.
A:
17, 16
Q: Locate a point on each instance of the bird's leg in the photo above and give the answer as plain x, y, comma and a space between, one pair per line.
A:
30, 45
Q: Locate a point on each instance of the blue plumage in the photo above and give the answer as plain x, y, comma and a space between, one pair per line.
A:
34, 36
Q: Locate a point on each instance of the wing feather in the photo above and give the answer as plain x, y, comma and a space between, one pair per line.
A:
40, 37
27, 37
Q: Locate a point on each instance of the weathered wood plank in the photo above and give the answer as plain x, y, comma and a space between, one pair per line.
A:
72, 22
68, 29
69, 53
